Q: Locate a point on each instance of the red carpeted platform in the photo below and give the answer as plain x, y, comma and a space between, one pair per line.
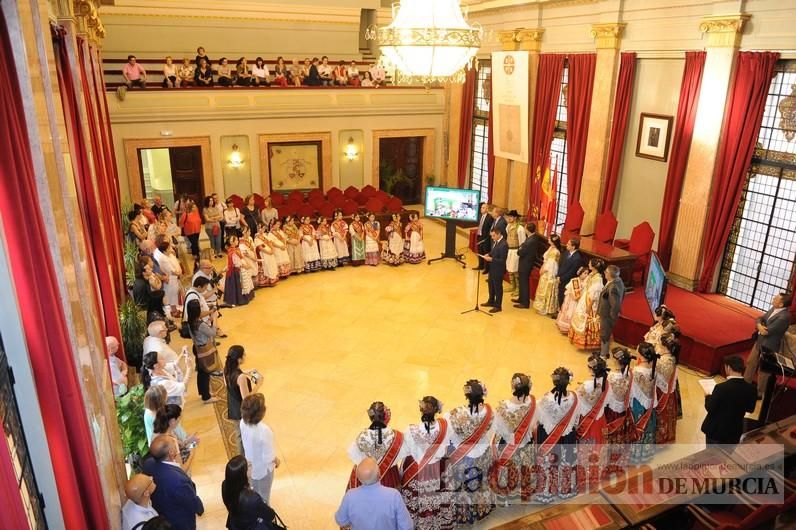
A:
713, 326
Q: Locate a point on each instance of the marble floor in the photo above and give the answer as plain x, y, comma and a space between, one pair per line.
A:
330, 343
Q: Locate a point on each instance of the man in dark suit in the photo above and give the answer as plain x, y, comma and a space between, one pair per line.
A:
609, 305
568, 266
727, 405
497, 268
484, 241
500, 222
175, 493
771, 328
530, 253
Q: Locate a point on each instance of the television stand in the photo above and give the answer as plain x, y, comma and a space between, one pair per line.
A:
450, 245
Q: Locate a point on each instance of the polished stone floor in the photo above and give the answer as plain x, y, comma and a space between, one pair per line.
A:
330, 343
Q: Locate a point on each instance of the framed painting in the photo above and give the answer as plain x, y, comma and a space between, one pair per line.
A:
654, 134
295, 166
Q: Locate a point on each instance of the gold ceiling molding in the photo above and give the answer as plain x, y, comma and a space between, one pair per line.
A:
724, 31
238, 18
521, 39
88, 21
607, 36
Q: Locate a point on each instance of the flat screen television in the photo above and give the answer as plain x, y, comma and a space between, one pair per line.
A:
655, 286
452, 203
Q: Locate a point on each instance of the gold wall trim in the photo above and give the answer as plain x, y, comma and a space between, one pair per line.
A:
326, 155
724, 31
428, 152
131, 147
241, 18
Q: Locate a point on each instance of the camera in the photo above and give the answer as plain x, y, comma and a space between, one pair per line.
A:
256, 376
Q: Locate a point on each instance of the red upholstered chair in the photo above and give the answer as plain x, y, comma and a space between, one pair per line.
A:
350, 207
315, 193
277, 200
369, 191
394, 205
573, 222
334, 190
383, 196
237, 201
259, 201
316, 200
338, 200
296, 196
350, 192
289, 208
640, 244
605, 230
374, 205
306, 210
369, 188
361, 199
326, 209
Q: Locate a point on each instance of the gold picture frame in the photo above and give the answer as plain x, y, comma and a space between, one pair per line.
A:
654, 135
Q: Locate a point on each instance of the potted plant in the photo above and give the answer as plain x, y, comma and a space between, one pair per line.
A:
130, 251
130, 415
133, 326
430, 179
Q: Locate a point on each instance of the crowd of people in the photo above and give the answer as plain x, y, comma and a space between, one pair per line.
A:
202, 72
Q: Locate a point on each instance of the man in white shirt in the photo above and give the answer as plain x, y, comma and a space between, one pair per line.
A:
118, 367
138, 508
325, 71
156, 341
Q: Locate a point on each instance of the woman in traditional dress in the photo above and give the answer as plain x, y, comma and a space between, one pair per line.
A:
556, 437
326, 246
667, 389
248, 272
293, 235
571, 296
662, 315
592, 395
383, 444
642, 404
339, 235
616, 435
372, 239
515, 236
414, 248
267, 269
309, 246
512, 476
233, 290
269, 213
546, 301
278, 241
357, 231
584, 331
470, 457
170, 266
393, 250
422, 484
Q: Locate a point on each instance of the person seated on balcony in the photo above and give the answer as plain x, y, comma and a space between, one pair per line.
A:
305, 70
200, 54
378, 74
367, 81
295, 72
260, 73
186, 73
353, 74
326, 71
133, 73
170, 78
204, 74
313, 74
224, 72
340, 74
243, 73
281, 72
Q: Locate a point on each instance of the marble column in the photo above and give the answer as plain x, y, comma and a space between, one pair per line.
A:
607, 38
453, 101
723, 40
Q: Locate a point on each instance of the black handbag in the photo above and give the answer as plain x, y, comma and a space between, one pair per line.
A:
185, 329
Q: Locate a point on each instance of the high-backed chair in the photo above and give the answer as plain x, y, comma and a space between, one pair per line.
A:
277, 200
237, 201
296, 196
573, 222
383, 196
315, 193
350, 192
640, 244
326, 209
305, 210
334, 190
259, 200
350, 207
337, 200
394, 205
374, 205
361, 199
289, 208
369, 191
316, 201
605, 229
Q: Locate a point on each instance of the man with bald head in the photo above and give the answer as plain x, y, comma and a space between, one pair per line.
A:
138, 507
372, 506
118, 367
175, 496
156, 341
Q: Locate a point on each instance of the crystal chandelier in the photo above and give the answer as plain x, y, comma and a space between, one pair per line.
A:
429, 41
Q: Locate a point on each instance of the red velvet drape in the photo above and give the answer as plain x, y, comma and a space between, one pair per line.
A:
743, 114
581, 85
624, 94
548, 89
39, 300
466, 125
681, 145
490, 155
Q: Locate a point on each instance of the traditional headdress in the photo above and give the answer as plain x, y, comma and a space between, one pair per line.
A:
474, 391
379, 415
429, 408
648, 353
561, 379
671, 343
598, 367
520, 385
623, 357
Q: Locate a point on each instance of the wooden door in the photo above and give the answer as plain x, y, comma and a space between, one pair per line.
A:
186, 172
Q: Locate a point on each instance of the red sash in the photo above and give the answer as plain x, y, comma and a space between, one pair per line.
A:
665, 398
587, 420
613, 426
522, 429
386, 462
553, 437
471, 440
415, 468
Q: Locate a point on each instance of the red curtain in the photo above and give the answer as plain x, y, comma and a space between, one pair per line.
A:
581, 85
624, 94
681, 145
743, 114
466, 125
548, 89
490, 150
39, 299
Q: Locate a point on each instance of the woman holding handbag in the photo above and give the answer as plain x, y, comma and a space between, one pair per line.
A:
204, 348
213, 217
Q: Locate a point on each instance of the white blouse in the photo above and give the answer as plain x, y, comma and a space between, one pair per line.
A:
262, 73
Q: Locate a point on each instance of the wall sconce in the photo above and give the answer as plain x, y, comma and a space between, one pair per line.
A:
351, 152
235, 159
